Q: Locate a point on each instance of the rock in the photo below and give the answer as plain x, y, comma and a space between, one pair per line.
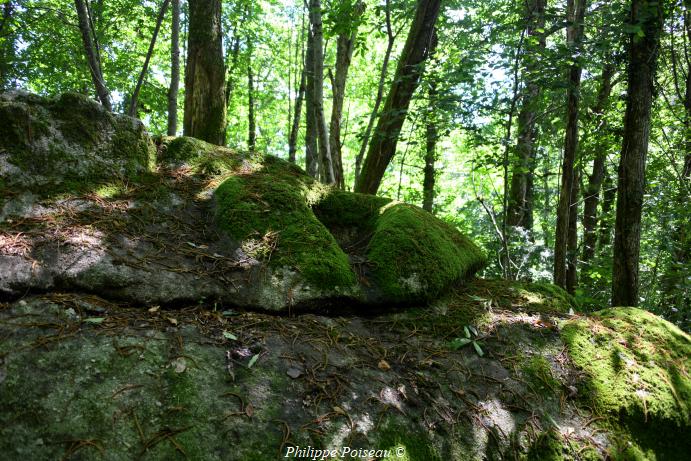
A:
637, 370
70, 142
83, 211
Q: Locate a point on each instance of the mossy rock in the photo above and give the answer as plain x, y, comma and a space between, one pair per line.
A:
637, 367
342, 244
204, 158
67, 144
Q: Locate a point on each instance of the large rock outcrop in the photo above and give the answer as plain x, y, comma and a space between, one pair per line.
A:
84, 209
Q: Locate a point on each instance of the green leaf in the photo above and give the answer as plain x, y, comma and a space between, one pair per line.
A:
459, 342
95, 320
253, 360
478, 349
466, 331
229, 336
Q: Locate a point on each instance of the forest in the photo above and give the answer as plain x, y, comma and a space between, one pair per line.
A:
556, 134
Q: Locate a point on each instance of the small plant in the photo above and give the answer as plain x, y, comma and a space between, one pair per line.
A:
471, 337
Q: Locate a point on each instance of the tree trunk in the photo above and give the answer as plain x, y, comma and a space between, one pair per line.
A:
326, 166
345, 44
642, 53
567, 205
91, 54
609, 195
572, 240
205, 108
431, 137
252, 123
234, 54
174, 71
383, 144
7, 45
592, 192
520, 206
380, 92
135, 95
311, 143
292, 141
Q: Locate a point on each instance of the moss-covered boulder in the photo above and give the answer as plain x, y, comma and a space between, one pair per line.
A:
332, 244
637, 368
53, 145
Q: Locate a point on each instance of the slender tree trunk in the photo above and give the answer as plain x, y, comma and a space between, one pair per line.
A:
205, 108
252, 123
431, 137
592, 192
345, 44
383, 144
7, 44
609, 195
572, 240
326, 165
91, 54
311, 143
135, 95
520, 206
174, 71
380, 92
566, 203
234, 54
642, 53
292, 140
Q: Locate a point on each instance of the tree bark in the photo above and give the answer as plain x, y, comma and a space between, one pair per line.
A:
7, 44
572, 239
252, 123
567, 205
520, 206
431, 137
205, 108
91, 54
295, 128
140, 81
609, 195
174, 70
345, 45
642, 54
592, 192
382, 147
380, 91
326, 167
311, 143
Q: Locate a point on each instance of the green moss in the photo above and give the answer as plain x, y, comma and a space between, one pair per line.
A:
204, 158
411, 250
539, 374
269, 210
547, 297
549, 446
400, 439
637, 367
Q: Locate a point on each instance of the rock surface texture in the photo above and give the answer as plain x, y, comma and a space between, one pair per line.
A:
177, 300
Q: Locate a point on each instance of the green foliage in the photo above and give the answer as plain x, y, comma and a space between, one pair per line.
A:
637, 372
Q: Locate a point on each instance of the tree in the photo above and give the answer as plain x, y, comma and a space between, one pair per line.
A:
135, 94
205, 108
174, 70
345, 45
91, 50
431, 137
568, 203
380, 90
592, 191
645, 25
383, 144
325, 163
520, 206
